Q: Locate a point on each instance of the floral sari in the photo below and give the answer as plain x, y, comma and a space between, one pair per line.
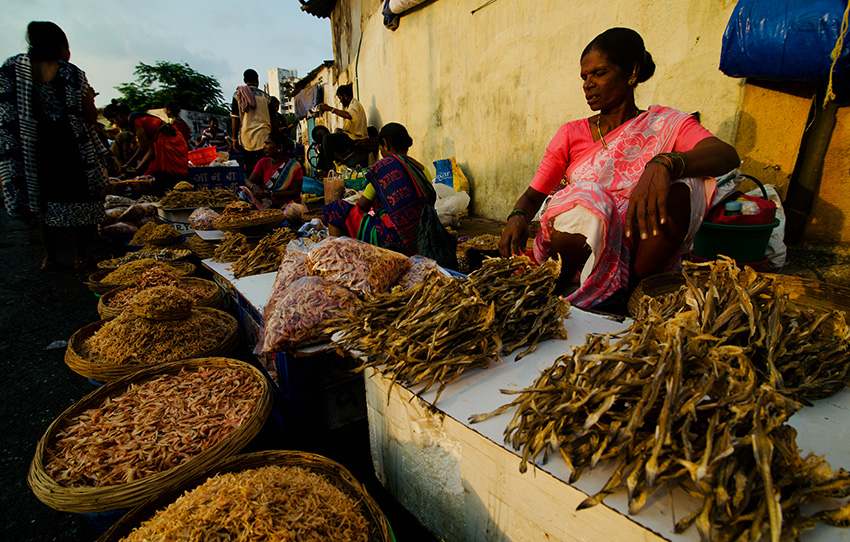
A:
601, 181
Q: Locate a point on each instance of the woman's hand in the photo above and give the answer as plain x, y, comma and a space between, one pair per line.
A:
648, 202
514, 236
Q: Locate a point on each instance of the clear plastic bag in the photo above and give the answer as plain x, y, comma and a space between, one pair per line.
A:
422, 269
360, 267
292, 267
202, 219
300, 311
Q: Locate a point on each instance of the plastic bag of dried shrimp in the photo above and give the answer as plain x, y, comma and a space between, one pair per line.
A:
360, 267
202, 219
422, 269
292, 267
300, 310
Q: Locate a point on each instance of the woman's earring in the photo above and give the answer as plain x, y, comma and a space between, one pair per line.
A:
633, 82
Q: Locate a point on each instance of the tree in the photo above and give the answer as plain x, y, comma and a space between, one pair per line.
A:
164, 82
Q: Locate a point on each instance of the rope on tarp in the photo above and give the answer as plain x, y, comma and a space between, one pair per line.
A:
836, 53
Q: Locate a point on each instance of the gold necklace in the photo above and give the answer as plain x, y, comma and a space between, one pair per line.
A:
599, 131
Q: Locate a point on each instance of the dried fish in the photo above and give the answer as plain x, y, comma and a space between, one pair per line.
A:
160, 254
233, 247
268, 503
184, 199
527, 308
130, 273
240, 217
266, 256
151, 427
696, 393
424, 337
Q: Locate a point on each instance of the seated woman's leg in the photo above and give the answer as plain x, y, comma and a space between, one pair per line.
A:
655, 254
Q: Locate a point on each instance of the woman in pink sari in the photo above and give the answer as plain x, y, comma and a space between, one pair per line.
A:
629, 187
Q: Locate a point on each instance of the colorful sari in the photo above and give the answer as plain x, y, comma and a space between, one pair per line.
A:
401, 192
600, 181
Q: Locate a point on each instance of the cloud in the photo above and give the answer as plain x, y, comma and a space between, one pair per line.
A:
216, 38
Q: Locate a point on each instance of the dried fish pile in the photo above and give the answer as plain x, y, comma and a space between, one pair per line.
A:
245, 218
162, 303
185, 199
486, 243
424, 337
151, 427
131, 339
527, 308
268, 503
200, 248
234, 246
141, 236
695, 394
266, 256
162, 234
360, 267
162, 254
130, 273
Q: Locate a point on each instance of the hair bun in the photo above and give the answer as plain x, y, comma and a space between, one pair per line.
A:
647, 68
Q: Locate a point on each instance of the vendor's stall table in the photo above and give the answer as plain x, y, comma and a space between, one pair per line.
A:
463, 483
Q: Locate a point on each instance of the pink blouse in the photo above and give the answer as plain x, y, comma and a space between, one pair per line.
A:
574, 138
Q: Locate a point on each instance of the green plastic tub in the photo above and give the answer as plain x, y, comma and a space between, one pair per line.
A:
743, 243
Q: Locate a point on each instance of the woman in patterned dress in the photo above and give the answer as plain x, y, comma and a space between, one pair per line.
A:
628, 188
51, 160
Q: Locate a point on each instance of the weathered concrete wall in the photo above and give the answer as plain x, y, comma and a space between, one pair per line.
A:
829, 222
492, 88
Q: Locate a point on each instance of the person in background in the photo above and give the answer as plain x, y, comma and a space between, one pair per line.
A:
638, 182
250, 119
123, 145
317, 136
389, 211
51, 159
339, 146
172, 110
277, 177
162, 152
213, 136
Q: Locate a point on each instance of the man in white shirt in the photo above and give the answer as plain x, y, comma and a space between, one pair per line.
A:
250, 119
339, 146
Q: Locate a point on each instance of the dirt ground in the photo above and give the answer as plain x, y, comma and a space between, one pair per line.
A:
40, 308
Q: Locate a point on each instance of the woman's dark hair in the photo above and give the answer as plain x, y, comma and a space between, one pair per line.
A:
319, 132
395, 136
624, 47
47, 41
115, 109
345, 90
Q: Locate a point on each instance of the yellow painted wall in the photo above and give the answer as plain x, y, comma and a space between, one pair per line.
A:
830, 218
492, 88
770, 130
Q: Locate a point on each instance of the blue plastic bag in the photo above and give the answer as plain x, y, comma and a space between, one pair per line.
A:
786, 40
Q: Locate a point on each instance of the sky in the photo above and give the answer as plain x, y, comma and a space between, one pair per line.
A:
217, 38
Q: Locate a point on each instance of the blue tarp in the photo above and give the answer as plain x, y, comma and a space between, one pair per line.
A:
786, 40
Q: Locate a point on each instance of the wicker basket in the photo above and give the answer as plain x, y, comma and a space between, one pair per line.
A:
809, 293
184, 269
98, 499
107, 373
379, 529
214, 299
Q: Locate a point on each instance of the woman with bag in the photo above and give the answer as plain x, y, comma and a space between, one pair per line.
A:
396, 210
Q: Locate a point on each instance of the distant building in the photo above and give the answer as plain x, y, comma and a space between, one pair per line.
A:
280, 80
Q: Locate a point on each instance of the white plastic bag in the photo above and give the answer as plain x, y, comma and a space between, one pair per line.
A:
450, 205
400, 6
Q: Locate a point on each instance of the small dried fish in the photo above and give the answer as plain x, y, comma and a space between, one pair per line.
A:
268, 503
233, 247
184, 199
266, 256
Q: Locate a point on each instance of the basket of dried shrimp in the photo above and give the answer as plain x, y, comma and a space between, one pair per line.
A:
205, 293
129, 274
131, 439
306, 497
158, 326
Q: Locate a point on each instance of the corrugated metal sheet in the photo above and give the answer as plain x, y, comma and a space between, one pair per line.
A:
319, 8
